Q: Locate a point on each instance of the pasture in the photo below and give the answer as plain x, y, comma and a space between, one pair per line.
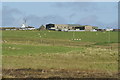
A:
59, 54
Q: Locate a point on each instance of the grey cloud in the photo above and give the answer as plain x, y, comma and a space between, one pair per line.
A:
37, 21
93, 20
10, 15
7, 9
79, 6
88, 20
54, 19
14, 17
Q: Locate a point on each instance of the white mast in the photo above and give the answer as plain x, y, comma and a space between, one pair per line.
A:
24, 24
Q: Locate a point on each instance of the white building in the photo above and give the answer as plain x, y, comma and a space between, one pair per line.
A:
109, 29
24, 27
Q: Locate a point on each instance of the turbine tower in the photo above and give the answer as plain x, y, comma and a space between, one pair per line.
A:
24, 24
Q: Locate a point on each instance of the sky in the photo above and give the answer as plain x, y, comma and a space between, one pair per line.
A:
100, 14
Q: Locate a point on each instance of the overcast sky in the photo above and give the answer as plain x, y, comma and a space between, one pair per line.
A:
101, 14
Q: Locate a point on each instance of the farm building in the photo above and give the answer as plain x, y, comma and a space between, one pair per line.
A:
86, 28
116, 29
16, 28
109, 29
8, 28
42, 27
23, 27
101, 30
57, 26
65, 27
27, 28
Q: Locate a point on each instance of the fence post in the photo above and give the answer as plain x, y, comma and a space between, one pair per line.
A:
53, 42
69, 42
41, 41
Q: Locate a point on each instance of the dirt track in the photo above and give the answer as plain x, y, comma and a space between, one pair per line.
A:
51, 73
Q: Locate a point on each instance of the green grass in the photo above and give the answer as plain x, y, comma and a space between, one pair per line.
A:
17, 49
84, 36
86, 59
57, 50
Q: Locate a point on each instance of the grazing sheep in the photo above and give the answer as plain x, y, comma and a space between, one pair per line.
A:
4, 41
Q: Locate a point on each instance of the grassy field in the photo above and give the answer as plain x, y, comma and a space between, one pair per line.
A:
95, 54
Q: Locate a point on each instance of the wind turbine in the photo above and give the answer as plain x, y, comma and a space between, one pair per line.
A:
24, 23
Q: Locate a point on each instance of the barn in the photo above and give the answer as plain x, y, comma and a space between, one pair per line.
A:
63, 27
58, 27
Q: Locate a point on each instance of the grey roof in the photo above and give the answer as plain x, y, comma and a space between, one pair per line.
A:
74, 24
